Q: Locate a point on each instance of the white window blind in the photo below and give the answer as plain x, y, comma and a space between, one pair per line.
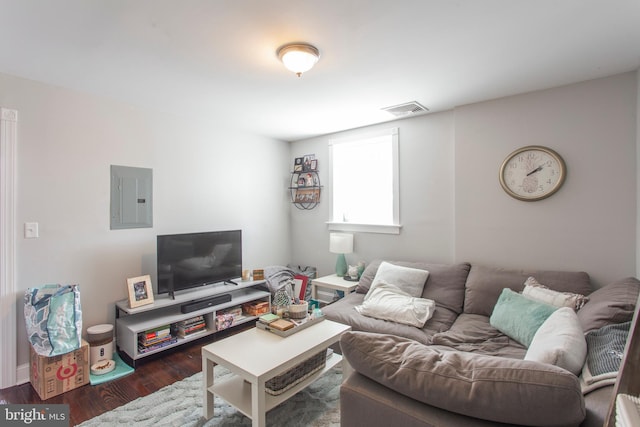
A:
364, 183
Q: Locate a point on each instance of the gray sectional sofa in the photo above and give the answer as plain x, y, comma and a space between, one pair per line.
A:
459, 370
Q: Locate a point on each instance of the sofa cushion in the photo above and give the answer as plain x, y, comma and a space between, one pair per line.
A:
485, 284
474, 333
410, 280
388, 302
519, 317
560, 342
445, 284
539, 292
486, 387
613, 303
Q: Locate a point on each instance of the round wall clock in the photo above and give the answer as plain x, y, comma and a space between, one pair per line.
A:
532, 173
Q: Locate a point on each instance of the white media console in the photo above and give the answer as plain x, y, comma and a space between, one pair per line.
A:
130, 322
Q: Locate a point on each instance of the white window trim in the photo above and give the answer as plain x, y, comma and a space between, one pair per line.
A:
369, 228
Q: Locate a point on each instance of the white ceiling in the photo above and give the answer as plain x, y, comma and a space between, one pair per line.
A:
217, 58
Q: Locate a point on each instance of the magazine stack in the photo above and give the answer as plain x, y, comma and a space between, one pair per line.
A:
154, 339
191, 326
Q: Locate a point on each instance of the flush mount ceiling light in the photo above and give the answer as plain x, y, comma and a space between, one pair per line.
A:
298, 57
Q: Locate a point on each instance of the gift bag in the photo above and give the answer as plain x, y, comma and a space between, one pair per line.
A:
53, 318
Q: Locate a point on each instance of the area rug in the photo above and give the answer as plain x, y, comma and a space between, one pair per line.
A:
180, 404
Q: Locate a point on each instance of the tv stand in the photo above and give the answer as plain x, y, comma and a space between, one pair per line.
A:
168, 311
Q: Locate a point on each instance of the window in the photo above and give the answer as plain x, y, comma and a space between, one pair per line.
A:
364, 183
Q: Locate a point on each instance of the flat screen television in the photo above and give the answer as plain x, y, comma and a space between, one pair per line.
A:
191, 260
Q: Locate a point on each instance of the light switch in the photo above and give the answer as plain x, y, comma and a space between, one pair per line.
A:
31, 230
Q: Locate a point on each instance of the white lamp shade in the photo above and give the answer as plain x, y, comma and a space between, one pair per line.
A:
340, 243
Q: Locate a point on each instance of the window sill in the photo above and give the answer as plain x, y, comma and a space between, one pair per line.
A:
364, 228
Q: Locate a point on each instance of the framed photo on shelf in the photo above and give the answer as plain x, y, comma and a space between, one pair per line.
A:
309, 180
308, 195
301, 181
306, 162
297, 164
300, 281
140, 291
295, 180
313, 165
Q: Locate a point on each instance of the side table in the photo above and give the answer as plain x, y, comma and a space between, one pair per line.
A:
331, 282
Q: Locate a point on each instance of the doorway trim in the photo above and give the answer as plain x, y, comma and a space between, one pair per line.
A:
8, 289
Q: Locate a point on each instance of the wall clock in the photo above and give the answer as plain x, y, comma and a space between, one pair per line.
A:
532, 173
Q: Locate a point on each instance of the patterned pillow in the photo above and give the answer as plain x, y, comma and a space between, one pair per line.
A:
539, 292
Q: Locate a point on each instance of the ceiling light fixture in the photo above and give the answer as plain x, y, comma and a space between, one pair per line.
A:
298, 57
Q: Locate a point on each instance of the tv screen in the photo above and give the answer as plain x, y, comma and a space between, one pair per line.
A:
197, 259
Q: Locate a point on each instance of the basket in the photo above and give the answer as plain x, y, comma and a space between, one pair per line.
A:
298, 311
283, 382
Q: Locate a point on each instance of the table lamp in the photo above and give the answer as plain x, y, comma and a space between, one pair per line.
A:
341, 243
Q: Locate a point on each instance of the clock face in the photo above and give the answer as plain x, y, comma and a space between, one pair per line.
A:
532, 173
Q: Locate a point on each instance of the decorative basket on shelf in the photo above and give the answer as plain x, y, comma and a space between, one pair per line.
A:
283, 382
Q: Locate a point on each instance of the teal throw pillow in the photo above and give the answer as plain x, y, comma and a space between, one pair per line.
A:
519, 317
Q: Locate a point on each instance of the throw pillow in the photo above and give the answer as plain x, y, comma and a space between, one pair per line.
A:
537, 291
410, 280
614, 303
387, 302
519, 317
560, 341
497, 389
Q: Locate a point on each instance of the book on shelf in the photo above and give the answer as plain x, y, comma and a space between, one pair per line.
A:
191, 333
183, 332
192, 321
164, 343
151, 341
157, 332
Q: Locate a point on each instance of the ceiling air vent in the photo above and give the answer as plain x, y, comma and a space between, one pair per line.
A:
406, 109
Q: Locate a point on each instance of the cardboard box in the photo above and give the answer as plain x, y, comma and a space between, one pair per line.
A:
51, 376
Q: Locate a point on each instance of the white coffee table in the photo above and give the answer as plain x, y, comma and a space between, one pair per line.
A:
255, 356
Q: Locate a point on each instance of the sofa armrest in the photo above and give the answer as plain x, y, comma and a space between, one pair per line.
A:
491, 388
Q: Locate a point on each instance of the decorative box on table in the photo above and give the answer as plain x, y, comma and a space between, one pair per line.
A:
256, 308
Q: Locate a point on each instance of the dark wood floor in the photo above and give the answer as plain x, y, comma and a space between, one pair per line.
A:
150, 375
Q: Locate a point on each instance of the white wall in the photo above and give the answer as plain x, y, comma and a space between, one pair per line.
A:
453, 208
205, 177
637, 174
590, 223
426, 155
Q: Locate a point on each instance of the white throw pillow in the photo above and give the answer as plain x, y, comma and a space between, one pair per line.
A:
388, 302
539, 292
560, 341
410, 280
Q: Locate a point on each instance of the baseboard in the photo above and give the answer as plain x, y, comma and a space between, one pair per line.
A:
22, 374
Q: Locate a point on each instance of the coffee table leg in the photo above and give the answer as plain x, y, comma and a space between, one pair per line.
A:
258, 402
207, 371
